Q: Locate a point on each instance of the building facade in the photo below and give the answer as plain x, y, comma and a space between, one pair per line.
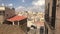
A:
52, 17
6, 13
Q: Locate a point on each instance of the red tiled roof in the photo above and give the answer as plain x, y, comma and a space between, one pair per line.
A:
16, 18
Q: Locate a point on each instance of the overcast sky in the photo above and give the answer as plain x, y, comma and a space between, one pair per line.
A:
32, 5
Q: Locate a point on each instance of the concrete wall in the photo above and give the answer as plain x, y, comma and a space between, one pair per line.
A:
1, 19
50, 6
57, 22
57, 31
50, 31
9, 13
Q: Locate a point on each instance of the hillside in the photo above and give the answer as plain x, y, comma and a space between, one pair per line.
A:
10, 29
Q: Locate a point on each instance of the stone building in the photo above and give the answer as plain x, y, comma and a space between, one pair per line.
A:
5, 13
52, 17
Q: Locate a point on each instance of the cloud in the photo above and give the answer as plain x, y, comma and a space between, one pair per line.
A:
10, 4
38, 2
31, 8
23, 0
36, 8
2, 4
21, 8
38, 5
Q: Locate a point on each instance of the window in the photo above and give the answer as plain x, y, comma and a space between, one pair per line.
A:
2, 12
53, 17
7, 15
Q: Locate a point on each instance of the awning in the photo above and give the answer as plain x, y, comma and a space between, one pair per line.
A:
16, 18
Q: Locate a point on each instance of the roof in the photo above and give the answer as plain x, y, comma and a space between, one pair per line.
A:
16, 18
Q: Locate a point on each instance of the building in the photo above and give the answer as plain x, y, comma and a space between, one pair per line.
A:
5, 13
52, 17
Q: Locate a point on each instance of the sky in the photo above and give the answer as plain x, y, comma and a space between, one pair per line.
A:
30, 5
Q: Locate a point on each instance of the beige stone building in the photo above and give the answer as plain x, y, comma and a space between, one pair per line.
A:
5, 13
52, 22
